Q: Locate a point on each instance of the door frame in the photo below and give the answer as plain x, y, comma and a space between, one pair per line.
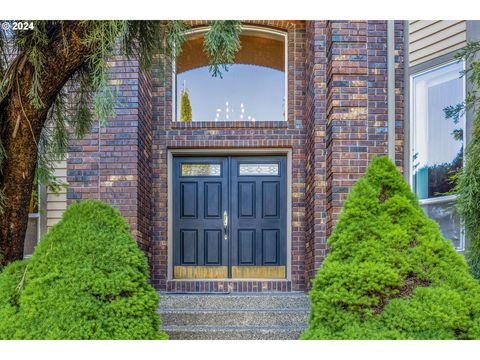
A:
227, 152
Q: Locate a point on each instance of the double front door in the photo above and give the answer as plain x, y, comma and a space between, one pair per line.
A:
229, 217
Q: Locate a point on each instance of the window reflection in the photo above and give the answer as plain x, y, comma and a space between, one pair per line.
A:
446, 215
253, 89
437, 152
437, 146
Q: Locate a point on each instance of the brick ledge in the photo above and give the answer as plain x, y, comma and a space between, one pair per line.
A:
202, 286
230, 125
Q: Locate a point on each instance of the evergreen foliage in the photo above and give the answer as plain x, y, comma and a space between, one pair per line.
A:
11, 286
87, 279
468, 178
390, 274
221, 44
88, 95
185, 107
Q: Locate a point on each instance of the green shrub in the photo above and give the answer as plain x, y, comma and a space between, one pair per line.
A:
467, 180
185, 107
11, 284
87, 279
390, 274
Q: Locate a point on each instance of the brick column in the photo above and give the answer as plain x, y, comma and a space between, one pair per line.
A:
399, 94
357, 103
347, 109
112, 163
315, 162
346, 117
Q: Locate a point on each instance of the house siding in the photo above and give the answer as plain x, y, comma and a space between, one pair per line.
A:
56, 202
430, 39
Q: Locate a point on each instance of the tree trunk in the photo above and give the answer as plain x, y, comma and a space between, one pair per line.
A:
21, 129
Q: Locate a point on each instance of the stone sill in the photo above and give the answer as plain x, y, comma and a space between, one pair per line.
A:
230, 125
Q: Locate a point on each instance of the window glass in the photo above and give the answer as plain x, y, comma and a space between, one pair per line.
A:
33, 226
31, 237
437, 152
253, 88
445, 214
201, 169
437, 145
258, 169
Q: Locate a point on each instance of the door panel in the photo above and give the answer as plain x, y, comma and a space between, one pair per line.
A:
246, 246
270, 247
188, 200
200, 196
258, 217
213, 199
246, 199
252, 192
189, 242
213, 247
270, 199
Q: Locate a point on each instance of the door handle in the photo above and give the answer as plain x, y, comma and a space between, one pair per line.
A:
225, 225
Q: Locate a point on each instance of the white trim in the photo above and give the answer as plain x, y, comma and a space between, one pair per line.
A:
438, 200
39, 227
225, 152
253, 28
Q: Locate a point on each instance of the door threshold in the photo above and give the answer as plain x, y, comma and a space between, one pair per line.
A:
227, 279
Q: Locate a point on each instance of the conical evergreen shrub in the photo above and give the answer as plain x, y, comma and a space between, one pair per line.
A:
390, 274
87, 279
185, 107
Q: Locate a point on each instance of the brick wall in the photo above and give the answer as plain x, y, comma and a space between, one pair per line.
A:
336, 122
289, 134
357, 103
399, 95
315, 162
346, 117
112, 163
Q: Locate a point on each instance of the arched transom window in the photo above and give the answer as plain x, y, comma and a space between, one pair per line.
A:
253, 88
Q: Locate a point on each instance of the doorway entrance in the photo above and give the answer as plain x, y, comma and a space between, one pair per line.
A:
229, 217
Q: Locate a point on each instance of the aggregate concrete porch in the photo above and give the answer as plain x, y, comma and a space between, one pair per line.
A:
233, 316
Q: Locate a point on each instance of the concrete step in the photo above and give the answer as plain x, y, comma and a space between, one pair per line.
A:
292, 300
244, 316
235, 317
205, 332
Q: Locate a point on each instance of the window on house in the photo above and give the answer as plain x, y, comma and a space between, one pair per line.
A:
253, 88
33, 228
437, 145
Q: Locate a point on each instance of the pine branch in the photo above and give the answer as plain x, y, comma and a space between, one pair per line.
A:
221, 44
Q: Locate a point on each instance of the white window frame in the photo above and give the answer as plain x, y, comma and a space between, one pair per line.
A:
441, 199
252, 28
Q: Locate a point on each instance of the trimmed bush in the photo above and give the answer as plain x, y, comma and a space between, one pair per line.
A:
87, 279
390, 274
185, 107
11, 284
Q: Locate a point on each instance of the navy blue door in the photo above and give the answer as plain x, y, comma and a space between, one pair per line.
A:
229, 217
258, 208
